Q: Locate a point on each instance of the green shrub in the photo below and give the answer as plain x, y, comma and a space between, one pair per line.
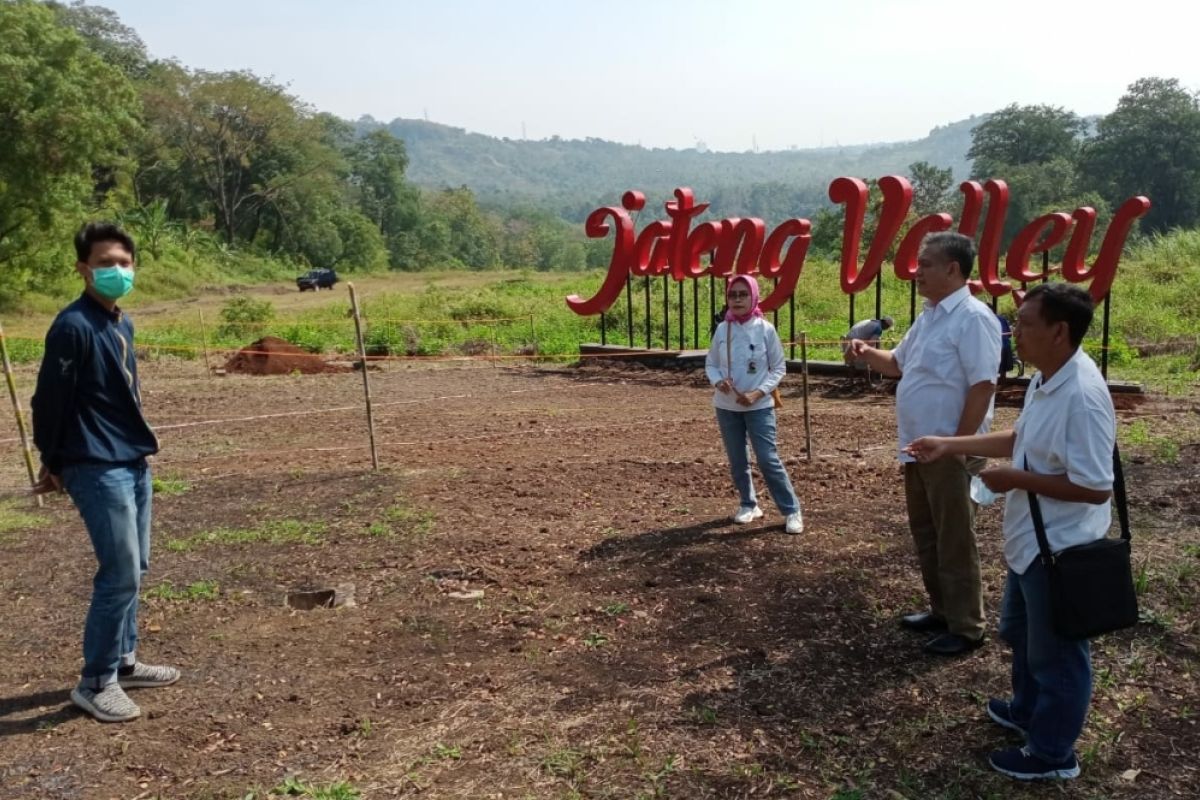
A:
245, 316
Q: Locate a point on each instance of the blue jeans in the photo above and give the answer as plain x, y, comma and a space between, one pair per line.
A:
1051, 676
114, 502
759, 426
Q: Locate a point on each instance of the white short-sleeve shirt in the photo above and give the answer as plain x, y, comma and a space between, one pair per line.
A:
1067, 427
952, 346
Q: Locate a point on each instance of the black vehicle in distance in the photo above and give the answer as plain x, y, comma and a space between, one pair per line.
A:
317, 279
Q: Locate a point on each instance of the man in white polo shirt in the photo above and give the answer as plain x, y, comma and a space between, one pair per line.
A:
1062, 451
947, 363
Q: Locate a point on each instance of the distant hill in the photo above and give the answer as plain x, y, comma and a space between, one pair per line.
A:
571, 177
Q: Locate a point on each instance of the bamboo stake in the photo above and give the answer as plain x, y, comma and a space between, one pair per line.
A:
204, 343
804, 383
16, 403
362, 360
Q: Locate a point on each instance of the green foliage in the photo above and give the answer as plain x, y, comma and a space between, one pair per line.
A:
1150, 145
243, 316
1017, 136
13, 517
294, 787
281, 531
47, 164
168, 486
193, 592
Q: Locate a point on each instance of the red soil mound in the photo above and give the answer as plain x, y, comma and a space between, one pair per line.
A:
272, 356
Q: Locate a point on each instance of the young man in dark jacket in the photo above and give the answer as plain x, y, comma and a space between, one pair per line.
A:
94, 440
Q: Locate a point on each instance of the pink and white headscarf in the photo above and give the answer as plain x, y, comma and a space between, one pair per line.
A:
754, 311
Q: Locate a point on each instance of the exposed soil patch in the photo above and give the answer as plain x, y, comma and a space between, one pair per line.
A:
273, 356
550, 602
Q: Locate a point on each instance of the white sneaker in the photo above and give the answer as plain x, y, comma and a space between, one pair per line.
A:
110, 704
794, 523
146, 676
746, 514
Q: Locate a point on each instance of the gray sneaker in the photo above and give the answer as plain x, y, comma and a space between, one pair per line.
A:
148, 676
110, 704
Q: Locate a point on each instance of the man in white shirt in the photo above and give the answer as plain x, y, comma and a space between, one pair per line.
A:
947, 364
1062, 451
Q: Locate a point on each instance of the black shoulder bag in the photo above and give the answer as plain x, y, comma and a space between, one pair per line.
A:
1091, 585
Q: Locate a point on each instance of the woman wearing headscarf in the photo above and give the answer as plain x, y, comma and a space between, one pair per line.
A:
744, 364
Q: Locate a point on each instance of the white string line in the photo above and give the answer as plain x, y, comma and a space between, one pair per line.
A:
439, 442
308, 411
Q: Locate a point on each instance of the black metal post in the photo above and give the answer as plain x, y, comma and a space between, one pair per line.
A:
775, 313
666, 313
1104, 341
851, 325
603, 338
712, 301
649, 344
879, 294
696, 316
792, 325
1045, 265
682, 314
912, 302
629, 306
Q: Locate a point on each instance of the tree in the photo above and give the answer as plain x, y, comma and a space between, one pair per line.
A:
1150, 145
234, 143
63, 111
931, 187
1019, 135
109, 38
377, 164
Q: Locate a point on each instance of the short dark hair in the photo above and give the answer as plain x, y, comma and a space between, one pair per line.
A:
94, 232
1065, 302
954, 246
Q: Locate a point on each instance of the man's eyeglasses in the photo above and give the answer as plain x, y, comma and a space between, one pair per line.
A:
738, 295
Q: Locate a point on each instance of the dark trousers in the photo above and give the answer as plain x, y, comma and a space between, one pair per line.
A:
941, 516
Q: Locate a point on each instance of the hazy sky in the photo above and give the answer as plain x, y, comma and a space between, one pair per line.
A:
668, 73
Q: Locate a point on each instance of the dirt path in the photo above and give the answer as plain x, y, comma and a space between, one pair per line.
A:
550, 603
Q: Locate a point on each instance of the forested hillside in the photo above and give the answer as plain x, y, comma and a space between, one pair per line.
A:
228, 177
574, 176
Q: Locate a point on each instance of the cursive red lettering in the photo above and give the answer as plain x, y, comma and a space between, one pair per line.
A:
989, 245
1104, 269
1027, 242
681, 210
897, 197
618, 266
793, 263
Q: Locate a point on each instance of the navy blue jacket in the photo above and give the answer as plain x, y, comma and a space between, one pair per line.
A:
88, 406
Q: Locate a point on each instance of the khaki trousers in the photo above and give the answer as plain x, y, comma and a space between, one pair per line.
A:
941, 516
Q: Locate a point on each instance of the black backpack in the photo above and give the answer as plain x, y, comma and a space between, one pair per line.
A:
1006, 351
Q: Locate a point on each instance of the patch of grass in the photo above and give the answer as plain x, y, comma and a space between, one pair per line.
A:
401, 520
564, 763
703, 715
279, 531
616, 608
294, 787
595, 639
168, 486
445, 752
14, 518
1164, 449
193, 592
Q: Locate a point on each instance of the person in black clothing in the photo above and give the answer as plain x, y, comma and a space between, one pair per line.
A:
94, 440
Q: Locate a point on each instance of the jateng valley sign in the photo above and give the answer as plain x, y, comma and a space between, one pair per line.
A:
744, 246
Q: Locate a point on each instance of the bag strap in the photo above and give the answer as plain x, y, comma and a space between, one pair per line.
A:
1039, 525
728, 351
1119, 494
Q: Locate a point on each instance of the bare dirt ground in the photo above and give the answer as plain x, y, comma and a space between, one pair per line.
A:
550, 602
